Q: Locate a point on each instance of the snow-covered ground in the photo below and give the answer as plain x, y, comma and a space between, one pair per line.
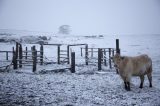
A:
86, 87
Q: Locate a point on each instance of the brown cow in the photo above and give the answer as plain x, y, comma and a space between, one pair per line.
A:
133, 66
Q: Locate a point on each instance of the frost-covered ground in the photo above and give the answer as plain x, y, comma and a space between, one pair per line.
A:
86, 87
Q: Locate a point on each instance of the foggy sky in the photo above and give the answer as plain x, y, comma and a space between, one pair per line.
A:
84, 16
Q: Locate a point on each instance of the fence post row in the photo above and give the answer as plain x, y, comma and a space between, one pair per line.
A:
73, 62
17, 58
18, 55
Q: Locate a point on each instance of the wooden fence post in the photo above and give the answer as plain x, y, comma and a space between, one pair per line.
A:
34, 59
20, 56
112, 52
12, 52
17, 49
16, 57
6, 55
81, 52
99, 58
86, 54
14, 60
58, 54
102, 51
68, 54
73, 62
33, 48
91, 52
105, 62
117, 50
26, 52
41, 55
110, 64
117, 46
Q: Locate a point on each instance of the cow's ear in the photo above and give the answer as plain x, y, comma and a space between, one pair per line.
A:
122, 58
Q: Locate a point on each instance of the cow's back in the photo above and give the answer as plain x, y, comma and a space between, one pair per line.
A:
140, 64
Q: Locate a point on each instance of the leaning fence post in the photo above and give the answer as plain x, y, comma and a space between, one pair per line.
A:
20, 56
99, 58
86, 54
41, 55
73, 62
58, 54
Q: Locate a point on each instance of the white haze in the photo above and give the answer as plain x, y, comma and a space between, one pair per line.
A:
84, 16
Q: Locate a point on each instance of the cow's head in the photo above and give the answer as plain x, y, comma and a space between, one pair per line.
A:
116, 60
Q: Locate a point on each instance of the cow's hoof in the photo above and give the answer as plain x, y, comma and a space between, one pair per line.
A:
128, 89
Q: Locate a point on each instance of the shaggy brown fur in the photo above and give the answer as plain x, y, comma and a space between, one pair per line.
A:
133, 66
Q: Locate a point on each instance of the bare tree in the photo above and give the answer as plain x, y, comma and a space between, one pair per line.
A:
64, 29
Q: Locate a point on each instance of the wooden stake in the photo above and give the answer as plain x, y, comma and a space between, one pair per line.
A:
41, 55
73, 62
99, 58
86, 54
110, 64
58, 54
20, 56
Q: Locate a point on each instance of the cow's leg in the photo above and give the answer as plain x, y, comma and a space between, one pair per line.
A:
150, 79
128, 84
125, 84
142, 80
125, 79
128, 79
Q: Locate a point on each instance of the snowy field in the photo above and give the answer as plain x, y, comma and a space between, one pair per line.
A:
86, 87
